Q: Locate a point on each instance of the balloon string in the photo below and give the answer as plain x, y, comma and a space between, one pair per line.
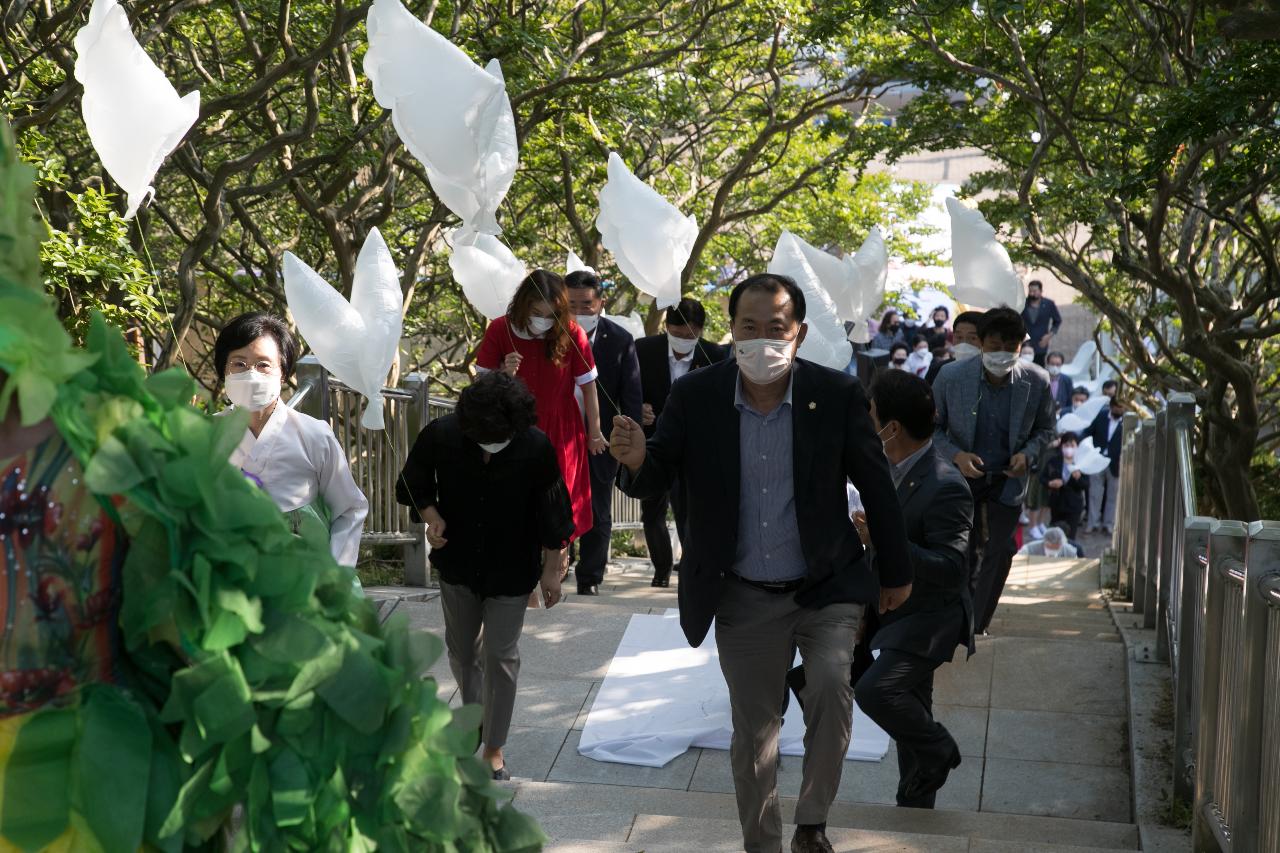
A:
164, 305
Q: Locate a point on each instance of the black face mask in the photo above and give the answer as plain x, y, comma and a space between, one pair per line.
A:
899, 362
1033, 298
894, 325
940, 323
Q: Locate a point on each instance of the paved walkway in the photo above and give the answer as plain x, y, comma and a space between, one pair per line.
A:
1040, 714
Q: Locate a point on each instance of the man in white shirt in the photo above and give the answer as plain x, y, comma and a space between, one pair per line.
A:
664, 360
1107, 432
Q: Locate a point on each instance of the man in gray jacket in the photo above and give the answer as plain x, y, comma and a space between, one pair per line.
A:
995, 422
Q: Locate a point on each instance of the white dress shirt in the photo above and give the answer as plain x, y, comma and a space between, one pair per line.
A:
298, 459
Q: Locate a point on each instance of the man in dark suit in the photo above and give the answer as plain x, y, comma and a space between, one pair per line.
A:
618, 386
917, 638
1067, 486
664, 359
1060, 386
1042, 319
1107, 431
995, 421
764, 446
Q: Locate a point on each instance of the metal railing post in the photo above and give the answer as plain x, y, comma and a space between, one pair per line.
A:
1137, 584
1179, 502
1161, 519
1151, 527
1191, 615
1124, 531
1226, 541
313, 387
417, 571
1262, 562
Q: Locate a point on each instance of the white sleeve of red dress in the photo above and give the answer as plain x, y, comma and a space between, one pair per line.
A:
584, 362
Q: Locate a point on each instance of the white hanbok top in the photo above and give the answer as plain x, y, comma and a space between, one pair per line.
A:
298, 459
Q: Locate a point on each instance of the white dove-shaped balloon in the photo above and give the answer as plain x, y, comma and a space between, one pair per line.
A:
1089, 460
134, 115
1082, 418
452, 115
576, 264
650, 239
356, 341
984, 275
871, 273
825, 341
488, 271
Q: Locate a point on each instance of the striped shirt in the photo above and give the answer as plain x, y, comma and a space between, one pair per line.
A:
768, 533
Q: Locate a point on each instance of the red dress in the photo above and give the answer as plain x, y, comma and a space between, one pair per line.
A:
552, 386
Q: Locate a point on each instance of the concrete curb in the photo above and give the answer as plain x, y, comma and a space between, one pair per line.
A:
1149, 696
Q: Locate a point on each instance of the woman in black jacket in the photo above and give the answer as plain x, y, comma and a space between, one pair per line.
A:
486, 483
1067, 486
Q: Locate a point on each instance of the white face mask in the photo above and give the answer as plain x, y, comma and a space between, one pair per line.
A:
541, 325
252, 390
495, 448
963, 351
1054, 369
1027, 358
680, 346
999, 363
763, 360
588, 322
1052, 552
1068, 453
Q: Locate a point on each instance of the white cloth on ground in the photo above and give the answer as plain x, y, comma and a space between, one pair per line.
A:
660, 698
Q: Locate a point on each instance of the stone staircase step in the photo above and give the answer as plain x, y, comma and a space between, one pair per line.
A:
652, 820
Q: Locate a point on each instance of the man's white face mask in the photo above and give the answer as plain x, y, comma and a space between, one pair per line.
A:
762, 360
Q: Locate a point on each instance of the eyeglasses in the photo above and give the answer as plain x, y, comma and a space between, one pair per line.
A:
242, 365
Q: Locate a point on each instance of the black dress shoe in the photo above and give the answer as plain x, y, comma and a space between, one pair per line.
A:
924, 784
588, 589
810, 841
661, 579
501, 774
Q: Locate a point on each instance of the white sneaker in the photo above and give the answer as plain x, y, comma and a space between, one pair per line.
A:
1037, 532
1024, 519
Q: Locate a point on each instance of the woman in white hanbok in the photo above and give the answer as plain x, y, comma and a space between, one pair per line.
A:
294, 457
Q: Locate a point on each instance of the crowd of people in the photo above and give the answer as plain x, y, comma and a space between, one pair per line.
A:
949, 444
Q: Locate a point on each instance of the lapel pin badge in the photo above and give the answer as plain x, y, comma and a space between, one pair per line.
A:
813, 406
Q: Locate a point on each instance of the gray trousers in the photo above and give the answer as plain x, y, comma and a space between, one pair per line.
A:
481, 636
1104, 491
756, 632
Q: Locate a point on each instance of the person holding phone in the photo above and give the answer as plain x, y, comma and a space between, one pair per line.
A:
487, 484
996, 419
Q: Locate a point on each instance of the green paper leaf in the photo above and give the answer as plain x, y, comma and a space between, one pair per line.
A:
37, 780
173, 387
358, 693
290, 789
115, 745
112, 470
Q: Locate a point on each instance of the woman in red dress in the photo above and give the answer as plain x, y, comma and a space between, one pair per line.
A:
539, 342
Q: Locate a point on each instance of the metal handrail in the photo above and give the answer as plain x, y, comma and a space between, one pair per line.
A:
1211, 591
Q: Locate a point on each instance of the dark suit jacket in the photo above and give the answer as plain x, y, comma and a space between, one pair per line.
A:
1110, 449
1067, 501
1063, 397
938, 508
615, 353
655, 370
935, 367
698, 440
1048, 319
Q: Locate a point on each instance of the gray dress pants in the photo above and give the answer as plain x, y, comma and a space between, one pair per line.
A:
756, 632
481, 637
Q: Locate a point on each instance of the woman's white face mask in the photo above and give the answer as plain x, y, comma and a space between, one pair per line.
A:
496, 447
541, 325
252, 390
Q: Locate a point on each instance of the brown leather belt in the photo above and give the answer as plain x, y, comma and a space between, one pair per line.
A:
777, 588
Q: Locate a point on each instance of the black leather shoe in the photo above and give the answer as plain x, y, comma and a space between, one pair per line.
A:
925, 784
810, 841
501, 774
588, 589
661, 579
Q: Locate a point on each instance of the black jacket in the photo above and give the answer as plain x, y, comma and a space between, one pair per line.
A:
498, 516
655, 370
937, 506
1098, 430
1068, 501
698, 440
619, 380
1048, 319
